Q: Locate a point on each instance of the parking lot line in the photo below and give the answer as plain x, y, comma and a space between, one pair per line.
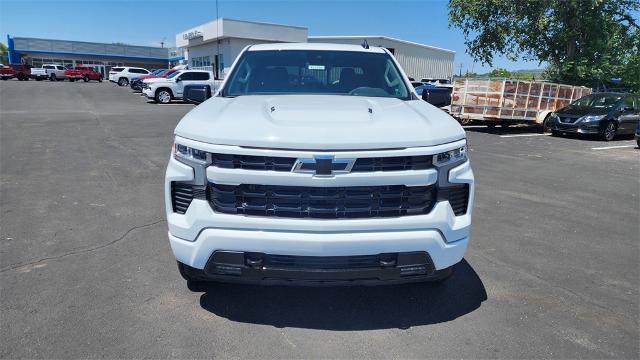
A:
523, 135
613, 147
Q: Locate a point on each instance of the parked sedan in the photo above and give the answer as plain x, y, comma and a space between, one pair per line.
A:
604, 114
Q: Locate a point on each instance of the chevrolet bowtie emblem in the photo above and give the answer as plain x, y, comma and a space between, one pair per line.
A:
323, 165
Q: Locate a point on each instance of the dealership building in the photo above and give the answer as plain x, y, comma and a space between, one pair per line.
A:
214, 46
217, 43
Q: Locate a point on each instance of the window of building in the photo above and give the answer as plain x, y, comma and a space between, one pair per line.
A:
200, 61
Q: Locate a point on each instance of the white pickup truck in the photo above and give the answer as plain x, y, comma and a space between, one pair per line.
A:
318, 164
52, 72
165, 89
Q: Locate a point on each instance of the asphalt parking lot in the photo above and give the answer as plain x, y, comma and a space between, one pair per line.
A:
86, 270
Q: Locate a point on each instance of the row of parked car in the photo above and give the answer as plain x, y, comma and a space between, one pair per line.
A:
53, 72
164, 85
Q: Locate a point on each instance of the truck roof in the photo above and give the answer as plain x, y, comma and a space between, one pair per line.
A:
315, 46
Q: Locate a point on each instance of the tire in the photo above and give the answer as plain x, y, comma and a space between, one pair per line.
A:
38, 79
53, 77
163, 96
555, 133
443, 275
71, 80
610, 130
123, 81
638, 142
5, 79
85, 78
505, 124
546, 125
194, 282
99, 79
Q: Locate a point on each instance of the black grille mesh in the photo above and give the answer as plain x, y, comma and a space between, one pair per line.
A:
322, 202
181, 196
458, 196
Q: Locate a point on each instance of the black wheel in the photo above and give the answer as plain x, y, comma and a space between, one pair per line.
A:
123, 81
4, 78
638, 142
443, 275
195, 282
163, 96
19, 78
85, 78
546, 125
99, 79
555, 133
72, 80
38, 79
609, 131
52, 77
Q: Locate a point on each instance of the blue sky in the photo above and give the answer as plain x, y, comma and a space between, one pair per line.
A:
148, 22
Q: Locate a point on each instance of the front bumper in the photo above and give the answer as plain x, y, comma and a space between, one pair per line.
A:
148, 93
388, 268
579, 128
200, 232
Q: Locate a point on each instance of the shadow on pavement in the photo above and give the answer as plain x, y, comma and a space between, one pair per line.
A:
349, 308
500, 130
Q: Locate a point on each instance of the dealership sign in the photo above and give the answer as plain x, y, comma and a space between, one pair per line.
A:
191, 34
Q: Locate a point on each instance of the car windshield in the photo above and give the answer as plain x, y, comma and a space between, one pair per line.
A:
316, 72
173, 75
597, 101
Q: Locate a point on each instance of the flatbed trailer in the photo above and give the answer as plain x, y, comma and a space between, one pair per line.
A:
506, 101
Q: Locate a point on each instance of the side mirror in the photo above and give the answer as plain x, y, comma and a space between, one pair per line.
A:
178, 79
196, 94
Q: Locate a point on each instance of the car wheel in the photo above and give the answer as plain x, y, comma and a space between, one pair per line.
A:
442, 275
123, 81
464, 121
610, 130
194, 282
52, 77
71, 80
85, 78
100, 79
555, 133
163, 96
546, 125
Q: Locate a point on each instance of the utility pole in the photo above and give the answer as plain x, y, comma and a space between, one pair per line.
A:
460, 70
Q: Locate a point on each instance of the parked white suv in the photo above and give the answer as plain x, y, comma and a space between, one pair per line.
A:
318, 163
123, 75
163, 90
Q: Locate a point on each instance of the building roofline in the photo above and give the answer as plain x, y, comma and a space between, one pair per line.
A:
88, 42
382, 38
22, 51
223, 19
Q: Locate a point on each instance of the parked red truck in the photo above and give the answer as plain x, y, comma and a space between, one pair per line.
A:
21, 72
85, 73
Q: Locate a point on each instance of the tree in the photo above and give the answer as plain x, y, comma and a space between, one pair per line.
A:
499, 73
4, 54
584, 41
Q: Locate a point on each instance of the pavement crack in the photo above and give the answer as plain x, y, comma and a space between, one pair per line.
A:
81, 251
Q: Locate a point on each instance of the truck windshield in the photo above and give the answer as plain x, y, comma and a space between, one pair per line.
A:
597, 101
316, 72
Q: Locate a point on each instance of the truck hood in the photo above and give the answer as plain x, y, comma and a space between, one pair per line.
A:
155, 79
319, 122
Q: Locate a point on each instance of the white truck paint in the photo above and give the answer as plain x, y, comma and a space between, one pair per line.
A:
238, 211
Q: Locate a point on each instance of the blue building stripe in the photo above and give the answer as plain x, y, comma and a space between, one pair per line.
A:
21, 51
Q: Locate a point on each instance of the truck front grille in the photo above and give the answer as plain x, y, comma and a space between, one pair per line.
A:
251, 162
322, 202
